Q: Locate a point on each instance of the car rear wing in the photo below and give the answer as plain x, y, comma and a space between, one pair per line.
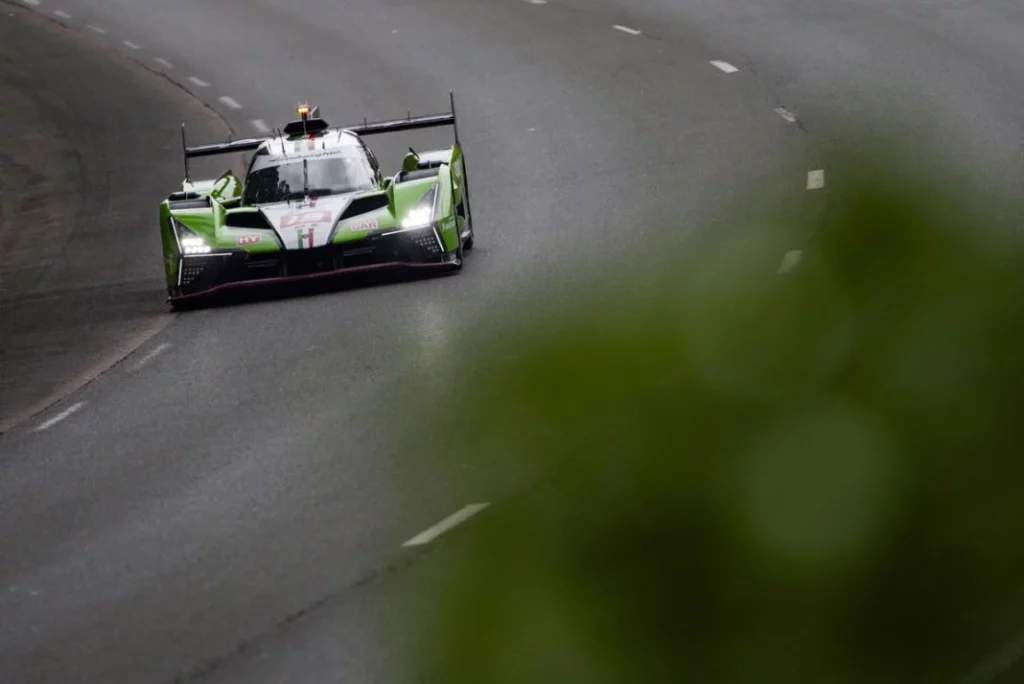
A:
410, 123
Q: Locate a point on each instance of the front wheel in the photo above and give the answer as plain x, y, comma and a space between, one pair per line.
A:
462, 211
460, 257
181, 306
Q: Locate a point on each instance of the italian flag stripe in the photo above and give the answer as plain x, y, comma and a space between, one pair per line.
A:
305, 236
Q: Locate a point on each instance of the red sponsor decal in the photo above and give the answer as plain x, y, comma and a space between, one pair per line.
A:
249, 239
364, 225
305, 217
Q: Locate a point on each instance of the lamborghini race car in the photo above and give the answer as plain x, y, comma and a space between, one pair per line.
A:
314, 202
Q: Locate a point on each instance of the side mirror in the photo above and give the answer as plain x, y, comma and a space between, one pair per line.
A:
411, 162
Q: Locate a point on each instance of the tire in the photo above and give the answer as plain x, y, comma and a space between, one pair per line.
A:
181, 307
460, 257
463, 210
456, 259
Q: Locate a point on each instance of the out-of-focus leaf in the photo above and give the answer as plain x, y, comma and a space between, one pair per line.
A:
726, 475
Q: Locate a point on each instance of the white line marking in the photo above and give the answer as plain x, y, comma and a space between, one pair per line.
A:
229, 102
132, 45
199, 82
60, 416
537, 2
791, 260
724, 66
816, 180
163, 62
453, 520
61, 14
34, 3
626, 29
260, 125
160, 349
96, 29
786, 114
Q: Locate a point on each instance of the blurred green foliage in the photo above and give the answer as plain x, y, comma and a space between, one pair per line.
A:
724, 474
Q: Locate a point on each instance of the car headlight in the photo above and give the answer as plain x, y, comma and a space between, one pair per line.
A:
195, 245
419, 217
191, 244
422, 215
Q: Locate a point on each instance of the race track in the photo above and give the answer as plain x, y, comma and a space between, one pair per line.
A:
239, 468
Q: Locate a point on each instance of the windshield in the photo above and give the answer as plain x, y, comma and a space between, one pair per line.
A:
282, 180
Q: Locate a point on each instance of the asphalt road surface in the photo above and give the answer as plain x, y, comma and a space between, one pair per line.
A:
228, 503
91, 143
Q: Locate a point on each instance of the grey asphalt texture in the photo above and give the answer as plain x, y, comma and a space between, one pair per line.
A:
91, 146
234, 509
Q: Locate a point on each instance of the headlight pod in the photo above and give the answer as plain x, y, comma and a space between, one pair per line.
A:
422, 215
189, 243
194, 245
419, 217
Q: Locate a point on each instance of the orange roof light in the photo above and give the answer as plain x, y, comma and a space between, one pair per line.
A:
303, 110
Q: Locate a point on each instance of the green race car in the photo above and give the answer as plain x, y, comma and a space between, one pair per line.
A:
314, 203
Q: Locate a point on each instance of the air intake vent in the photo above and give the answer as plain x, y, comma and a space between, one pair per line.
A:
178, 205
427, 242
179, 196
192, 269
406, 176
364, 205
247, 219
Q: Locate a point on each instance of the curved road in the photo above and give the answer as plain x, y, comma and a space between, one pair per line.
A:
240, 468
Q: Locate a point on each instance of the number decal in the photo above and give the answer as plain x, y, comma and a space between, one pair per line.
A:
305, 217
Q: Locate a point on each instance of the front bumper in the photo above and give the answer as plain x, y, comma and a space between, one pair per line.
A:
203, 275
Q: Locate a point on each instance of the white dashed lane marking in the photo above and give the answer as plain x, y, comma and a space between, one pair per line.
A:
199, 82
453, 520
34, 3
132, 45
61, 14
627, 29
163, 62
160, 349
229, 102
96, 29
816, 180
537, 2
260, 125
74, 408
786, 114
724, 66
